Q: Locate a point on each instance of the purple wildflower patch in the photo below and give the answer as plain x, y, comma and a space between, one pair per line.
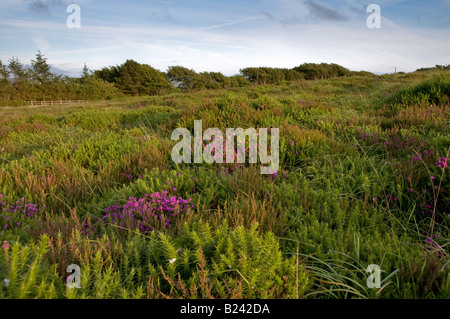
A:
15, 214
146, 213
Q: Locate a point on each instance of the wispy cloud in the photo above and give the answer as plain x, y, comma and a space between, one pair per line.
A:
309, 12
321, 12
41, 43
240, 21
43, 7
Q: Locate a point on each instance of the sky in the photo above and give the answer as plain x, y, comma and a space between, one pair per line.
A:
225, 36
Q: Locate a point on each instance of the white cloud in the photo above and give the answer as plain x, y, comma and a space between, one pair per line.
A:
41, 43
230, 23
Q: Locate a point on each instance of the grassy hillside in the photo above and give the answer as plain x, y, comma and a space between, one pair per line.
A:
363, 180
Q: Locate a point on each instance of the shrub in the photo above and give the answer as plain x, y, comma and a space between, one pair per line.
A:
26, 273
224, 263
433, 91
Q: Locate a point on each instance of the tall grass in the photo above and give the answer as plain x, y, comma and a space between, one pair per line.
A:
363, 180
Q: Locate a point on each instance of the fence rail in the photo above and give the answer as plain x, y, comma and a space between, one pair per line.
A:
60, 102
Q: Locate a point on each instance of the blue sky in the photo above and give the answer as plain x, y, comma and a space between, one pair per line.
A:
228, 35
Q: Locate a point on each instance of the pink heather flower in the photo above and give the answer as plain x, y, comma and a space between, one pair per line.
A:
432, 177
141, 210
409, 179
410, 190
5, 245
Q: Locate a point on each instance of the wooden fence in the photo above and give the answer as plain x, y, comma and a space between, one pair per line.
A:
60, 102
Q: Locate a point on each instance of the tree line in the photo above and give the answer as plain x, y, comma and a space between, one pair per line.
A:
38, 82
